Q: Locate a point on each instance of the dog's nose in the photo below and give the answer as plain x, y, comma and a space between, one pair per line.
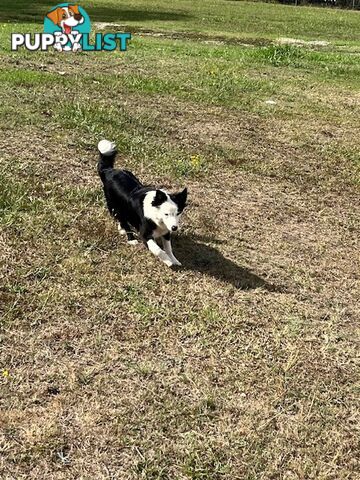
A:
78, 16
174, 228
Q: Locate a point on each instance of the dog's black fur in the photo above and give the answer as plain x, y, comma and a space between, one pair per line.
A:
125, 195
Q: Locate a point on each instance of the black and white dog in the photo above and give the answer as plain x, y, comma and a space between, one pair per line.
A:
152, 213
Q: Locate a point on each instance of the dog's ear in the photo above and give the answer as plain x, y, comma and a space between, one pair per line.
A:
160, 197
180, 199
74, 8
54, 16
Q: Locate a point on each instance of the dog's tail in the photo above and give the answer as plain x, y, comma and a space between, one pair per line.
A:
107, 152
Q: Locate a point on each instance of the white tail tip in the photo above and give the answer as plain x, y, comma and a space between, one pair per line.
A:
106, 148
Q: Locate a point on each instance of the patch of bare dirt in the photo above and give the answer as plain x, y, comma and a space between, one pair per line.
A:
213, 39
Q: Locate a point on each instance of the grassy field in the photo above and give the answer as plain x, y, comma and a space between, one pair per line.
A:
241, 365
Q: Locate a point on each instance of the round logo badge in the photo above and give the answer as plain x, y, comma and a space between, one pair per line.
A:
68, 19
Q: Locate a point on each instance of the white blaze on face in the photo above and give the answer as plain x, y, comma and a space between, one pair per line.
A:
69, 20
169, 214
164, 215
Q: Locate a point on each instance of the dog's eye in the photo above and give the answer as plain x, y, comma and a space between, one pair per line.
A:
64, 15
166, 214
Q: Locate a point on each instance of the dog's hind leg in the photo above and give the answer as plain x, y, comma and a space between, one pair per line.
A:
125, 229
122, 230
131, 240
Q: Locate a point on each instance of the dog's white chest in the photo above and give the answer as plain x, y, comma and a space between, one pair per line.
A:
160, 231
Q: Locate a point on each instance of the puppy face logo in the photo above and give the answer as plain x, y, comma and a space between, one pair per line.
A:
66, 17
67, 29
68, 22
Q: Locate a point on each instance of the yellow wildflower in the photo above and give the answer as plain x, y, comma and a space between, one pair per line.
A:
195, 160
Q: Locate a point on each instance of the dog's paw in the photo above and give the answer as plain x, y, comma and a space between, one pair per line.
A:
121, 230
169, 263
132, 242
172, 263
175, 261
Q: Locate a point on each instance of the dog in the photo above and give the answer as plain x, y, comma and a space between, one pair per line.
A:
153, 213
66, 18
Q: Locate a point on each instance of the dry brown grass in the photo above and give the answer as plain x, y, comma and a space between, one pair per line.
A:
241, 365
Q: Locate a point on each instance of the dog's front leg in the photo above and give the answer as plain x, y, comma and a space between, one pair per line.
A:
168, 250
158, 252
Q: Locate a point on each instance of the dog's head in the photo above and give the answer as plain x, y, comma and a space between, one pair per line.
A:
165, 209
66, 17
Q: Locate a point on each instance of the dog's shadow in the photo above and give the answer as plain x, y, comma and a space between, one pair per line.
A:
196, 255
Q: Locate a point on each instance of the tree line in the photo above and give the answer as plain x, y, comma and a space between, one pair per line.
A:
325, 3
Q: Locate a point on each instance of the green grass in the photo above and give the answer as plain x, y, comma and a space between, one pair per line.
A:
26, 78
227, 18
242, 363
303, 83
